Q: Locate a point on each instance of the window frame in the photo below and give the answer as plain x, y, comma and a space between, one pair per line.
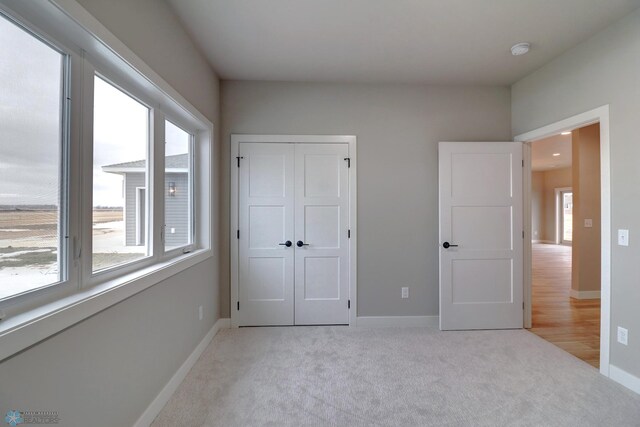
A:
67, 281
89, 46
89, 276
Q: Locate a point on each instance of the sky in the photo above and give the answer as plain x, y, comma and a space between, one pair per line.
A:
30, 116
30, 88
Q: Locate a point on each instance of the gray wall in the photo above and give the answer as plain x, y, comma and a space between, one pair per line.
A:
603, 70
398, 128
106, 370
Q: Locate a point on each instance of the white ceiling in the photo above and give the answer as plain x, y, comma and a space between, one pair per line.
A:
542, 151
429, 41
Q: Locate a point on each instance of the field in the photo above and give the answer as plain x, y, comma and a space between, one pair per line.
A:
29, 247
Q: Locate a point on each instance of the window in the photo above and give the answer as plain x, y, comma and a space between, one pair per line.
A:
96, 204
120, 225
178, 211
32, 212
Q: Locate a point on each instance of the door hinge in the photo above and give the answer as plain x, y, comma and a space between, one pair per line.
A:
238, 159
238, 234
348, 160
238, 305
523, 163
349, 304
523, 234
348, 234
523, 305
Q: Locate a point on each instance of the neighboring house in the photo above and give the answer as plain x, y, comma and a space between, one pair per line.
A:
176, 188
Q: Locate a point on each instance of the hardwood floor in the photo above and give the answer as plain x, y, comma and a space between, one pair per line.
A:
571, 324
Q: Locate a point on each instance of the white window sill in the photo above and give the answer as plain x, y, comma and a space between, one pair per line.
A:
26, 329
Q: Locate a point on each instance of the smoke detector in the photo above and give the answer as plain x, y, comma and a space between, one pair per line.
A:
520, 49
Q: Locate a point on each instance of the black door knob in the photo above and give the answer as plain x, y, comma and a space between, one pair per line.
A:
448, 245
287, 243
300, 243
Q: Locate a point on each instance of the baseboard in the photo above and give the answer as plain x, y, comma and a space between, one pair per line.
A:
398, 321
584, 294
165, 394
546, 242
628, 380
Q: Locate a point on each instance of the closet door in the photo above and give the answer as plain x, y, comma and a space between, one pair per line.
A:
266, 210
321, 234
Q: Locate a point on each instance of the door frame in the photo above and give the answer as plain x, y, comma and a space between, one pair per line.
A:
597, 115
236, 140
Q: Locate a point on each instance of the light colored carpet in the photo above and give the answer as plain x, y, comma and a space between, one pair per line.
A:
341, 376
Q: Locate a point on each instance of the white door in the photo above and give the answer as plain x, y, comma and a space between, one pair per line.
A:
266, 195
321, 229
481, 235
293, 216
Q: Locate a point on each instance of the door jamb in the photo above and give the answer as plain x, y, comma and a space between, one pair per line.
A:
597, 115
351, 140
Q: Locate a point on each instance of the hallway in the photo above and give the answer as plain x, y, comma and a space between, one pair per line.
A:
571, 324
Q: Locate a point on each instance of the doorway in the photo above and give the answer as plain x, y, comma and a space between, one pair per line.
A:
293, 216
593, 314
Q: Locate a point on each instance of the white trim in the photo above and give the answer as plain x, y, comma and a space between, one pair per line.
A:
236, 139
398, 321
167, 391
623, 377
601, 115
527, 251
584, 294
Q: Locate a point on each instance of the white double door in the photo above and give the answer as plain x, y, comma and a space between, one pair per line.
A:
293, 234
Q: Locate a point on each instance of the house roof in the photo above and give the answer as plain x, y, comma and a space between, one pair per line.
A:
175, 163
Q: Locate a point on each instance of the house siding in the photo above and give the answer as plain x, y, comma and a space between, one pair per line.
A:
176, 208
133, 181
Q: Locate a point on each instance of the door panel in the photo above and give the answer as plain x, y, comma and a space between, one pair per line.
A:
266, 186
322, 222
481, 213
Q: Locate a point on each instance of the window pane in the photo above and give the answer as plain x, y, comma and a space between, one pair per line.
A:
120, 194
177, 181
30, 161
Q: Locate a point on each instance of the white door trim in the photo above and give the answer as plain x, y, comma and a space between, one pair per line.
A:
601, 115
351, 140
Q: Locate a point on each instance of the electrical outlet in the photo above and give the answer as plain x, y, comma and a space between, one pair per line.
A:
200, 313
173, 230
623, 335
405, 292
588, 223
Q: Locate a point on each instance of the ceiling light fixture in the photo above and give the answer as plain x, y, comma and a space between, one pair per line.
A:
556, 154
520, 49
566, 133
